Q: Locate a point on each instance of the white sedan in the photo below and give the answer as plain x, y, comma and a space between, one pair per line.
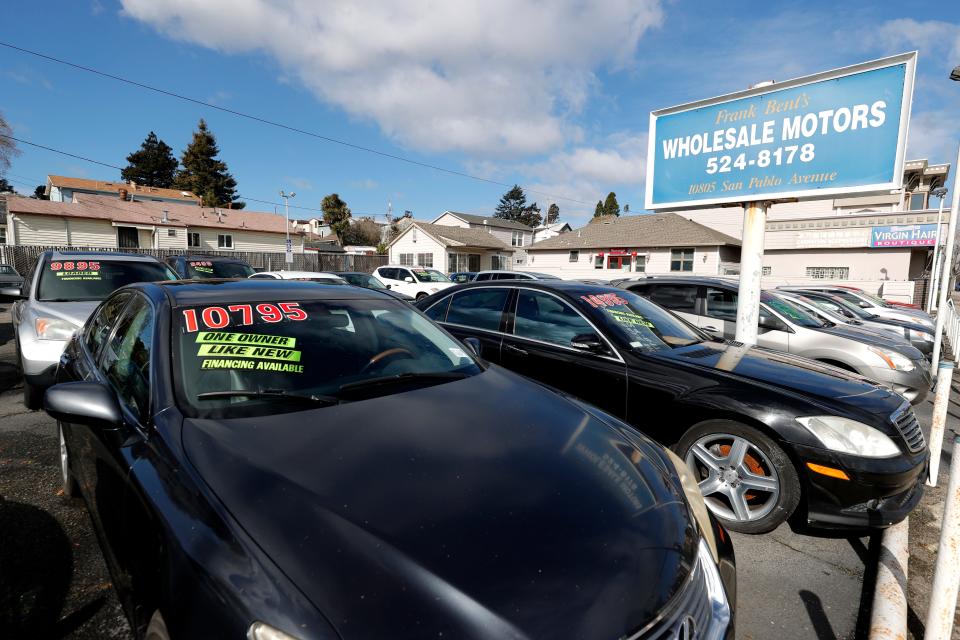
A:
312, 276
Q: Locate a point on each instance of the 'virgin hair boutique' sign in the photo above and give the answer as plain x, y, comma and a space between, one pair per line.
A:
916, 235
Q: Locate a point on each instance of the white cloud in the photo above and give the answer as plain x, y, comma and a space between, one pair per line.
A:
303, 184
484, 76
935, 38
367, 184
933, 136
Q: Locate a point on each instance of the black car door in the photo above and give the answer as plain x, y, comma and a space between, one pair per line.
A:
538, 345
475, 313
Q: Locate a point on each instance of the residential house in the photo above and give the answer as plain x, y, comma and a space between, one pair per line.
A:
615, 247
313, 226
112, 223
63, 188
547, 231
449, 248
516, 235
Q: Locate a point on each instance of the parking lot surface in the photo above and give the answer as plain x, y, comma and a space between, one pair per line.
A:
53, 582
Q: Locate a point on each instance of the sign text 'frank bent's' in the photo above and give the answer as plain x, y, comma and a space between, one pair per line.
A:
837, 132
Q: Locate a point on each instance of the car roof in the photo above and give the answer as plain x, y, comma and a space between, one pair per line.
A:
219, 291
200, 256
290, 275
119, 256
569, 287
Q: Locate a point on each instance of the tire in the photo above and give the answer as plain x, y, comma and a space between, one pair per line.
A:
157, 629
32, 396
70, 488
421, 296
749, 483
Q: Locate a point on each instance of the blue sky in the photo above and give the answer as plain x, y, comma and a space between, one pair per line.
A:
554, 96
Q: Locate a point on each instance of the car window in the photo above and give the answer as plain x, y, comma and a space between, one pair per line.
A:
640, 290
721, 304
479, 308
676, 297
438, 311
218, 269
7, 270
126, 357
796, 314
67, 280
98, 328
482, 276
543, 317
430, 275
402, 274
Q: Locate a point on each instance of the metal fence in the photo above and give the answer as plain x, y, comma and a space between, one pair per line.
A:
22, 258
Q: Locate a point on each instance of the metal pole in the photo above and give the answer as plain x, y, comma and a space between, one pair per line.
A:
751, 269
947, 267
931, 296
946, 573
941, 402
888, 620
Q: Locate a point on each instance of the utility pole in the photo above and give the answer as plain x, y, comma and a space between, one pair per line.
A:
286, 209
941, 193
947, 270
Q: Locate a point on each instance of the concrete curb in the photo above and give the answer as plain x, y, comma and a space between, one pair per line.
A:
888, 619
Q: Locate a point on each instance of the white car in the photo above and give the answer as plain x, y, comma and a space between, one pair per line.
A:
313, 276
417, 282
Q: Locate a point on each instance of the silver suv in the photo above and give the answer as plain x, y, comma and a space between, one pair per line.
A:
711, 304
58, 294
873, 304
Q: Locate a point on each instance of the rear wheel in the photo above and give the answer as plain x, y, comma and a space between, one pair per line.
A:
421, 296
70, 489
747, 480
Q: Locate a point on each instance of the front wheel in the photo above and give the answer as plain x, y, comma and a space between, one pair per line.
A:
747, 480
421, 296
70, 489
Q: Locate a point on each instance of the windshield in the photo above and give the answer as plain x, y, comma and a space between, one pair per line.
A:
821, 311
77, 280
7, 270
793, 313
347, 350
201, 269
880, 302
640, 323
363, 280
429, 275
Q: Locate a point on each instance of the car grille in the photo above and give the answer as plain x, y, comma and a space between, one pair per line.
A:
690, 614
909, 427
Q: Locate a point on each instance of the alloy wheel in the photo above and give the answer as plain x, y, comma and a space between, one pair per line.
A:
737, 479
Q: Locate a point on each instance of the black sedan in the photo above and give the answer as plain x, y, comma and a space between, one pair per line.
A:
277, 460
768, 434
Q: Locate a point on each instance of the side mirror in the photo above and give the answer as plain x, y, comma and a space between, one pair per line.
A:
589, 342
387, 286
474, 345
89, 403
12, 292
408, 279
770, 323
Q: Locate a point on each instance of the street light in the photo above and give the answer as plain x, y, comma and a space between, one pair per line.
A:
939, 192
286, 214
955, 74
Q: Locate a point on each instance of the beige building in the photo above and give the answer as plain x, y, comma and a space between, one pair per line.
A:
513, 234
449, 247
882, 243
113, 223
615, 247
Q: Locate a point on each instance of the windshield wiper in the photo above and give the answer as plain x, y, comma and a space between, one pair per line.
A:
437, 376
271, 393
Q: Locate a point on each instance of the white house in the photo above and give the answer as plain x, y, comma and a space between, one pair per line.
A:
313, 226
615, 247
112, 223
449, 248
547, 231
516, 235
63, 188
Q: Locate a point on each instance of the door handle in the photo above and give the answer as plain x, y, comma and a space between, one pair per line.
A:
516, 350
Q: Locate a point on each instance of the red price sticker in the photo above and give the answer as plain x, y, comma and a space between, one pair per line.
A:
604, 300
216, 317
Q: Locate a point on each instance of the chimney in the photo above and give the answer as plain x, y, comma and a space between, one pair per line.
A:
219, 216
165, 218
123, 193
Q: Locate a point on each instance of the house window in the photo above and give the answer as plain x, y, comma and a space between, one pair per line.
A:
224, 241
767, 271
619, 262
681, 260
498, 262
425, 259
128, 238
574, 256
517, 239
3, 235
193, 239
171, 233
828, 273
406, 259
918, 201
598, 262
641, 264
518, 261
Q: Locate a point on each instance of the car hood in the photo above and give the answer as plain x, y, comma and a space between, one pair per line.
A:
74, 312
874, 339
894, 322
788, 372
440, 512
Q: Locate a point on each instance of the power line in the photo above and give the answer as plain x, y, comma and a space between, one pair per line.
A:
72, 155
274, 123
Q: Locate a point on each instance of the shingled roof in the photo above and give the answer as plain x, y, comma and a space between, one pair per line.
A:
460, 236
490, 221
66, 182
646, 230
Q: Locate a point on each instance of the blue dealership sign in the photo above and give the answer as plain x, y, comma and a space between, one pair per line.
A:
838, 132
913, 235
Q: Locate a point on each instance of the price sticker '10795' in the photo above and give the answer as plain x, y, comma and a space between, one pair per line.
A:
241, 314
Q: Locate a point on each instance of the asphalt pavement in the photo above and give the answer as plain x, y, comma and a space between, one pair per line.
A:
53, 582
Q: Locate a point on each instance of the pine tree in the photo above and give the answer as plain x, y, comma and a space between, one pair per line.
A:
337, 214
513, 206
6, 187
204, 174
553, 213
152, 165
40, 193
599, 210
611, 207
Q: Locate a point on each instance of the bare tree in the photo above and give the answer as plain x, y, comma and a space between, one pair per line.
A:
8, 147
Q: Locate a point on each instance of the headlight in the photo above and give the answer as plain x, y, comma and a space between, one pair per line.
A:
921, 335
893, 359
54, 329
263, 631
691, 490
849, 436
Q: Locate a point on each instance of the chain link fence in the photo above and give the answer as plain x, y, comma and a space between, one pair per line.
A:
22, 258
